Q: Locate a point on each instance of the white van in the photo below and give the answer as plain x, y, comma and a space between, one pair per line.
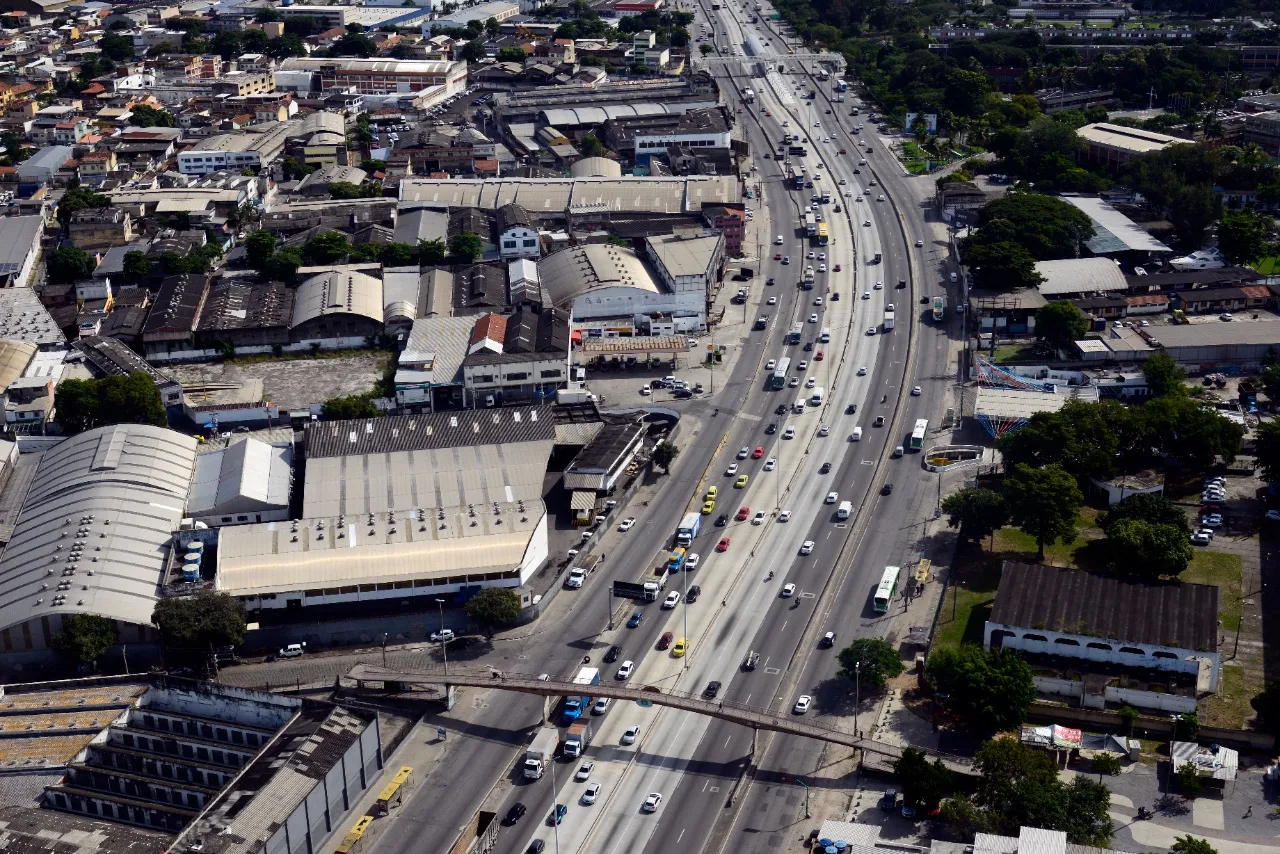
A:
818, 394
825, 336
798, 406
844, 510
856, 435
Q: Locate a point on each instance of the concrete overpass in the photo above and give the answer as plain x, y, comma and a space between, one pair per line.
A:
756, 717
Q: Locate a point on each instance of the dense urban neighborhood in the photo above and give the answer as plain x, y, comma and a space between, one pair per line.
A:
391, 389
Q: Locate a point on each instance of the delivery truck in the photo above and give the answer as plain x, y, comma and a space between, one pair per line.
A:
690, 525
888, 318
577, 738
542, 751
576, 704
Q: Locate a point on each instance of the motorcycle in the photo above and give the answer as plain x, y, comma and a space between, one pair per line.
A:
884, 399
769, 577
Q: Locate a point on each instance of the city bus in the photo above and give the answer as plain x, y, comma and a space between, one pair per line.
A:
887, 589
939, 308
824, 234
797, 329
917, 434
780, 373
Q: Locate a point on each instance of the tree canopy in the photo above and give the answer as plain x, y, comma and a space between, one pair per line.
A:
870, 662
976, 511
1059, 323
924, 783
351, 406
147, 117
494, 607
1046, 226
987, 690
66, 265
1044, 502
466, 245
116, 399
194, 623
84, 638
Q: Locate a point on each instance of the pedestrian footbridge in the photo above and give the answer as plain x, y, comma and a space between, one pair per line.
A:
751, 716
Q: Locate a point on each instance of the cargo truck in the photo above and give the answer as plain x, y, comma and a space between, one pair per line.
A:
690, 525
577, 739
575, 705
542, 751
888, 318
675, 562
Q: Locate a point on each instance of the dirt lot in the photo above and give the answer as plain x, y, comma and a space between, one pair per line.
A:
293, 383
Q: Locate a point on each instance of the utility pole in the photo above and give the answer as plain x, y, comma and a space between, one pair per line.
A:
857, 695
444, 649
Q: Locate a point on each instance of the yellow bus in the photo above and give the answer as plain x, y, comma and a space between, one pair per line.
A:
824, 234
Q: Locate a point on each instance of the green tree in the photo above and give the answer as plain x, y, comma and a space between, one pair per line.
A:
1186, 727
1105, 764
1163, 375
1044, 503
1193, 210
326, 248
1187, 780
924, 783
396, 254
79, 198
1266, 705
283, 265
1148, 507
665, 453
117, 47
431, 252
344, 190
354, 44
1059, 323
966, 92
135, 267
592, 147
1001, 266
706, 49
1189, 844
1140, 547
512, 53
870, 662
1243, 235
116, 399
194, 623
976, 511
1047, 227
1184, 429
226, 45
990, 690
1270, 380
259, 248
351, 406
466, 245
494, 607
148, 117
84, 638
473, 51
1085, 439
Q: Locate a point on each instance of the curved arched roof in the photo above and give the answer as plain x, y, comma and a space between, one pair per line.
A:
338, 292
569, 274
596, 167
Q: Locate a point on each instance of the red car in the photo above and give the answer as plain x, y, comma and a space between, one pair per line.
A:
665, 640
758, 452
723, 545
743, 512
777, 256
818, 358
836, 269
842, 151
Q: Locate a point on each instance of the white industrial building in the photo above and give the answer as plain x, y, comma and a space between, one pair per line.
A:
245, 482
400, 506
95, 533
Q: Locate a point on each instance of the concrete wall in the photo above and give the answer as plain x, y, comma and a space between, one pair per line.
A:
1146, 700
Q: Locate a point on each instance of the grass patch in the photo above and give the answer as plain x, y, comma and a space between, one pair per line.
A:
1006, 353
1223, 571
1269, 266
1230, 706
971, 597
1015, 545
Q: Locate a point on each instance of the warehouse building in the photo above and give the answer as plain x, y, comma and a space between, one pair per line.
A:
94, 534
247, 481
1113, 146
381, 76
414, 505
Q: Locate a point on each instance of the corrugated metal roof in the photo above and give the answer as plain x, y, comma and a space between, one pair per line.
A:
505, 425
106, 501
1080, 276
426, 478
570, 273
1115, 231
274, 558
338, 291
243, 477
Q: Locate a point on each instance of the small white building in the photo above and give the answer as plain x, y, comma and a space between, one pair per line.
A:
248, 481
517, 234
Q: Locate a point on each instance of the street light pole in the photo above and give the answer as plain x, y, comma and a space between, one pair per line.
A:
857, 695
555, 823
443, 648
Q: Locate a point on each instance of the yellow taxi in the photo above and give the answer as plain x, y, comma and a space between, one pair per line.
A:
708, 507
741, 482
680, 648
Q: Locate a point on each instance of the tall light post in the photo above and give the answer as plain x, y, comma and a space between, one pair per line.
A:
444, 650
555, 823
857, 695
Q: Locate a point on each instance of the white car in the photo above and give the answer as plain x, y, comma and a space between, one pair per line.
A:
818, 300
771, 364
871, 330
822, 256
789, 433
744, 452
1201, 538
822, 268
919, 243
442, 635
652, 802
777, 241
812, 254
880, 198
602, 705
787, 591
731, 470
672, 600
691, 562
627, 524
810, 383
879, 285
771, 301
813, 318
625, 670
824, 430
784, 516
832, 498
772, 463
645, 391
795, 382
758, 519
866, 294
592, 792
584, 772
632, 733
862, 371
802, 365
915, 391
806, 548
802, 704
